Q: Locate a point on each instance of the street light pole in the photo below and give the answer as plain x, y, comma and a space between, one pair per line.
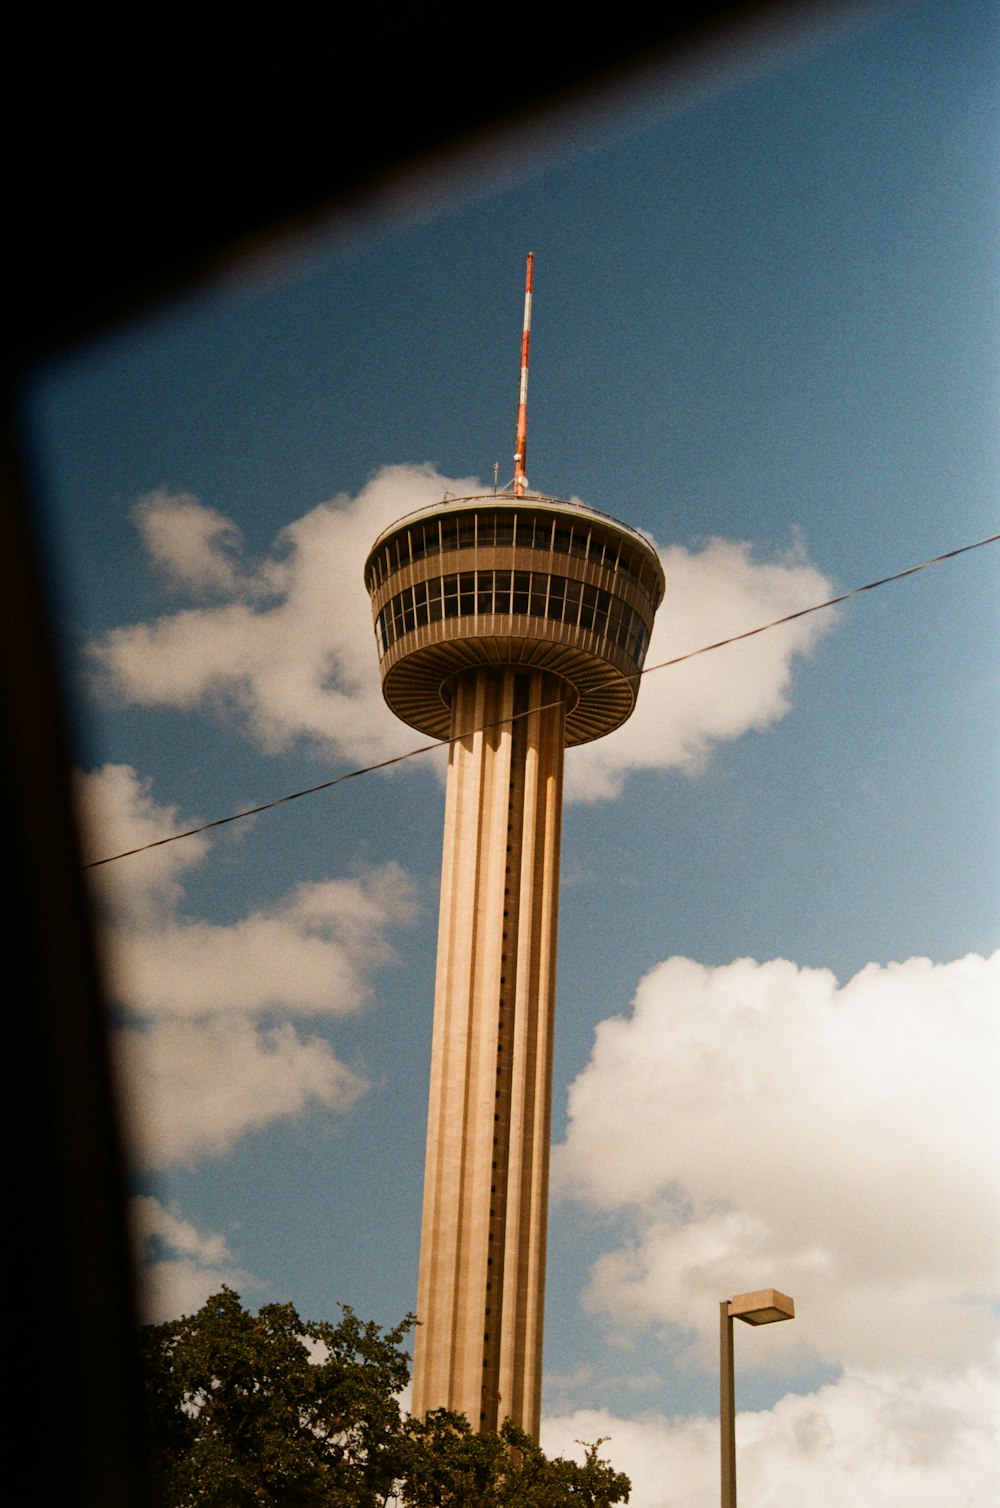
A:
727, 1406
763, 1307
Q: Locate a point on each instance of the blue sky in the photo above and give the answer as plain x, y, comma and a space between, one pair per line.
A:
766, 332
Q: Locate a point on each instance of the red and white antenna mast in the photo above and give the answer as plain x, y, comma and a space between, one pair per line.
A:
521, 443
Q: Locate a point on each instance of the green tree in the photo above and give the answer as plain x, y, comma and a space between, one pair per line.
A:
272, 1409
247, 1411
450, 1466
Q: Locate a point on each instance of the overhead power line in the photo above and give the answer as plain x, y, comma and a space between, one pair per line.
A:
817, 607
385, 764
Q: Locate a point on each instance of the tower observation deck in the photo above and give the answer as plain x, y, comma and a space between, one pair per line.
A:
512, 625
531, 581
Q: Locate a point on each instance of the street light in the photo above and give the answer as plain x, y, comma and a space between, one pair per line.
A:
764, 1307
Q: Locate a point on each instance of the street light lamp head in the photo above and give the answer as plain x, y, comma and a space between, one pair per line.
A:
762, 1308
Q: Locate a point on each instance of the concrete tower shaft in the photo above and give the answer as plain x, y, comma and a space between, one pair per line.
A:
482, 1266
513, 627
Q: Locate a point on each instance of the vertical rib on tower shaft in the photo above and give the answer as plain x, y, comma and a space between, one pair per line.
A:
482, 1261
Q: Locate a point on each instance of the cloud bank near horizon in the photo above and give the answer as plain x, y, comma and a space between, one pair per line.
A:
914, 1442
836, 1142
759, 1125
287, 641
210, 1048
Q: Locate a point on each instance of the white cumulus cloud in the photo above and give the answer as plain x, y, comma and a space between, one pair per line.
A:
758, 1125
179, 1267
312, 953
118, 812
193, 1089
870, 1438
292, 646
287, 642
210, 1049
713, 592
196, 549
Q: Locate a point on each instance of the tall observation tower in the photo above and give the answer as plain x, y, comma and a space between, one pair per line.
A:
513, 625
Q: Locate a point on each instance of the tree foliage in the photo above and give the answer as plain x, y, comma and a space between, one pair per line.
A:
270, 1408
449, 1466
247, 1411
